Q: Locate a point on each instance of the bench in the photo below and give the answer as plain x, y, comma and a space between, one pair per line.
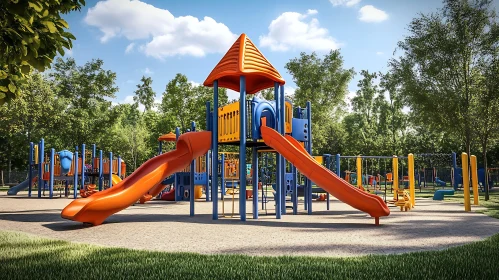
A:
439, 194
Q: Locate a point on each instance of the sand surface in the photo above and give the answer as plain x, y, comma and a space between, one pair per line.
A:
342, 231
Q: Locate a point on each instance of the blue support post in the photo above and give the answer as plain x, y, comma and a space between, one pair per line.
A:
191, 191
242, 147
101, 174
309, 150
207, 160
30, 168
160, 148
83, 166
119, 166
110, 178
295, 191
278, 183
255, 182
75, 176
41, 152
265, 162
93, 156
214, 152
208, 169
51, 171
328, 166
222, 176
282, 115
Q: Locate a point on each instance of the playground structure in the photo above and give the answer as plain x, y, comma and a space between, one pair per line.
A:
60, 171
266, 125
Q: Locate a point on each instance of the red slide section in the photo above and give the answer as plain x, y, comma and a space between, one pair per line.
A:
323, 177
96, 208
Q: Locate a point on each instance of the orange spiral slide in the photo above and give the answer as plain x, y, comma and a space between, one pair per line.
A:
290, 149
98, 207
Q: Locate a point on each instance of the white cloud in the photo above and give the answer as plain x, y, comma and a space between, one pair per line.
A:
129, 48
68, 53
369, 13
166, 34
312, 12
194, 84
292, 30
380, 53
148, 71
129, 100
130, 81
232, 94
289, 90
348, 3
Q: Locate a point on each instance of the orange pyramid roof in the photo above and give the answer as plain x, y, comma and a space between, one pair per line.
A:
244, 58
168, 137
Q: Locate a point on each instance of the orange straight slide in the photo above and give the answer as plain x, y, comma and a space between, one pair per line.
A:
323, 177
96, 208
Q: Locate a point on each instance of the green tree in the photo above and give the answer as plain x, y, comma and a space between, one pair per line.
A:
32, 33
145, 94
323, 82
186, 102
440, 55
88, 90
32, 116
485, 115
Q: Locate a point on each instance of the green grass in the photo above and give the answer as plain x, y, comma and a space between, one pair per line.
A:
26, 257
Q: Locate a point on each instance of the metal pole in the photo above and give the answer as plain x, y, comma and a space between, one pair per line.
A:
309, 150
82, 166
208, 155
101, 175
242, 147
192, 186
278, 183
214, 153
51, 170
41, 152
282, 115
75, 176
255, 182
110, 169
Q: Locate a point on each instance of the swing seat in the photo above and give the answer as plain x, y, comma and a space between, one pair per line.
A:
439, 194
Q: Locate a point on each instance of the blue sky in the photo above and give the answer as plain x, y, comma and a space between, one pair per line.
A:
161, 38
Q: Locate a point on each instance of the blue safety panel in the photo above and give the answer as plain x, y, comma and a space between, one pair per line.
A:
200, 179
262, 108
300, 129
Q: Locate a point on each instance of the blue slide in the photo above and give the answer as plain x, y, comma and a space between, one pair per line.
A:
22, 186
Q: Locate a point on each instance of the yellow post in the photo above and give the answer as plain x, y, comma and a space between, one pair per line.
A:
359, 172
35, 154
474, 179
395, 177
412, 189
466, 182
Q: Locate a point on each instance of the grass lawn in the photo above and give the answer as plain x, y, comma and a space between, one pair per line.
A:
26, 257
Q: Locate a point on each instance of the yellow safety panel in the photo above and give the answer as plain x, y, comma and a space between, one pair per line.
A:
228, 123
319, 159
288, 110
